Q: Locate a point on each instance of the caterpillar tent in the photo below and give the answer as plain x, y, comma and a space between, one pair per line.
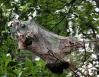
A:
51, 47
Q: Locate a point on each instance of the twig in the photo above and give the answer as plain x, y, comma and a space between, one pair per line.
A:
74, 72
71, 5
52, 54
85, 51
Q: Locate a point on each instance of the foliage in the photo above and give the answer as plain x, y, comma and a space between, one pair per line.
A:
64, 17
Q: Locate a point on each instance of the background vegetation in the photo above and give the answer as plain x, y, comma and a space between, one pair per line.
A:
64, 17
